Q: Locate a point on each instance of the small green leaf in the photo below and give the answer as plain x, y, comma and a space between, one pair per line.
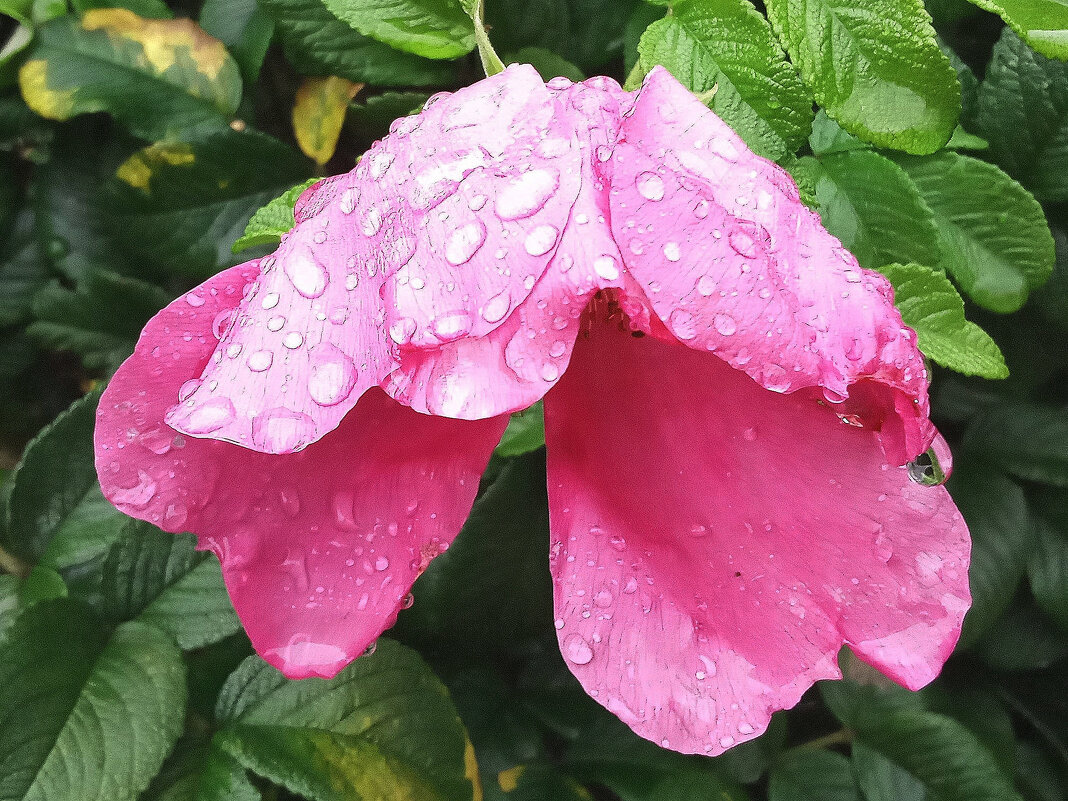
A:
267, 225
1043, 24
727, 45
525, 433
99, 320
318, 43
807, 774
43, 584
1027, 440
1022, 111
85, 717
180, 206
950, 761
243, 27
875, 67
428, 28
160, 578
870, 204
384, 725
931, 306
158, 77
993, 235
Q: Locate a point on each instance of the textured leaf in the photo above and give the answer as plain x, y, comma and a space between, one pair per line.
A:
1023, 639
870, 204
180, 206
269, 222
382, 728
371, 119
1047, 569
729, 46
993, 235
161, 579
1043, 24
548, 64
882, 780
525, 433
85, 717
99, 320
875, 67
937, 750
1022, 111
1028, 440
539, 782
429, 28
318, 43
243, 27
995, 510
158, 77
23, 271
319, 113
812, 775
931, 306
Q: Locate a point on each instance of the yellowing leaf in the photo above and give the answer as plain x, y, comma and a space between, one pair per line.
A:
137, 170
319, 113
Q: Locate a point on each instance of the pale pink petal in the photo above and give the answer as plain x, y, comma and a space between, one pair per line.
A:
714, 544
733, 262
318, 548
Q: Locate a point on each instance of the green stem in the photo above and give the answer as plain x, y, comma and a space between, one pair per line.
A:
491, 62
840, 737
9, 563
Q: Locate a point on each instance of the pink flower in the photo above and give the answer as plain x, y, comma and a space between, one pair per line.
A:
729, 403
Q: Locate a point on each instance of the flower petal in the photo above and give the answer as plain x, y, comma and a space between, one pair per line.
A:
733, 262
318, 548
714, 544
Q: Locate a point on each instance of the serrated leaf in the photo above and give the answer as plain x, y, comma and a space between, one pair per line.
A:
99, 320
1043, 24
727, 45
267, 225
1022, 111
931, 306
161, 579
318, 43
243, 27
950, 760
812, 775
1027, 440
525, 433
870, 204
86, 717
993, 235
319, 113
157, 77
385, 724
180, 206
428, 28
875, 67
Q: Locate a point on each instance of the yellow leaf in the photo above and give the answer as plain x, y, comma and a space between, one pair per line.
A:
319, 113
54, 104
137, 170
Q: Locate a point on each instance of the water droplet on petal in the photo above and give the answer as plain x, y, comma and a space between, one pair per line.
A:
464, 243
270, 300
138, 495
743, 244
282, 430
884, 547
706, 285
209, 416
496, 307
381, 563
526, 195
260, 361
683, 324
672, 251
306, 275
293, 340
332, 377
541, 240
607, 267
725, 324
194, 300
402, 330
577, 650
451, 325
926, 470
650, 186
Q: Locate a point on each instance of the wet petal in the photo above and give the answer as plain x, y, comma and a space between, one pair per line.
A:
714, 544
318, 548
733, 262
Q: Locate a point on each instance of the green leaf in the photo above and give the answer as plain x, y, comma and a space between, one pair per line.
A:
950, 761
1043, 24
1023, 640
86, 717
161, 579
870, 204
728, 44
875, 67
99, 320
158, 77
318, 43
882, 780
23, 271
548, 64
156, 9
267, 225
525, 433
931, 306
383, 726
995, 509
43, 584
428, 28
1022, 111
9, 602
993, 235
243, 27
1027, 440
180, 206
499, 555
1047, 569
809, 774
371, 118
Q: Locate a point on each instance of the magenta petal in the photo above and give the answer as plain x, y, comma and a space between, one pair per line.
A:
319, 547
734, 263
714, 544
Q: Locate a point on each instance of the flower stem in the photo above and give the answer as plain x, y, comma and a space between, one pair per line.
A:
491, 62
840, 737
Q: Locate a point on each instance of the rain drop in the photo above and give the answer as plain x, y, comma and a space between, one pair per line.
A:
209, 416
526, 195
650, 186
306, 275
496, 307
683, 324
260, 361
926, 470
607, 267
725, 324
464, 243
541, 240
577, 650
451, 325
332, 377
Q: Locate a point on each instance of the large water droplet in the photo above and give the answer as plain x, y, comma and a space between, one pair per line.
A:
607, 267
496, 307
926, 469
672, 251
402, 330
884, 547
293, 340
725, 324
650, 186
541, 240
577, 650
743, 244
138, 495
683, 324
372, 221
526, 195
464, 243
333, 375
282, 430
209, 416
306, 275
260, 361
451, 325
